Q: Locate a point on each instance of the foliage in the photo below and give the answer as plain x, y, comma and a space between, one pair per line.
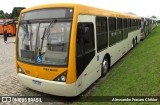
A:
14, 15
4, 15
16, 12
153, 17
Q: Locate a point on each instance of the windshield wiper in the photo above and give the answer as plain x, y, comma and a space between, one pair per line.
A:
46, 31
27, 32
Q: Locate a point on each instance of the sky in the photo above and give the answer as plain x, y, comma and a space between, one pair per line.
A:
143, 8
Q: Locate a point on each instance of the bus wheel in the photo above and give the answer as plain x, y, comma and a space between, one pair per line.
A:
133, 44
135, 41
105, 66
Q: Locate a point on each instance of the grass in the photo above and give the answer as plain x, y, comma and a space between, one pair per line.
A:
136, 74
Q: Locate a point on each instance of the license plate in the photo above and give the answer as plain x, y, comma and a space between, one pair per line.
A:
37, 82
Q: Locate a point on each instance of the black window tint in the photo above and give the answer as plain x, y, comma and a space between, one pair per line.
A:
133, 22
136, 22
85, 38
119, 36
125, 23
84, 46
112, 24
79, 47
101, 24
112, 31
88, 37
129, 22
119, 23
101, 32
139, 23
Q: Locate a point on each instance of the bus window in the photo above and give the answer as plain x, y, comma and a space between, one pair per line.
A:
85, 46
112, 30
102, 34
129, 25
119, 29
125, 35
133, 24
49, 39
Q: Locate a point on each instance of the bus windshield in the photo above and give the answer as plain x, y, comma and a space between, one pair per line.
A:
44, 42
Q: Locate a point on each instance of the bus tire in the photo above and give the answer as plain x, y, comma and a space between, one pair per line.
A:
133, 44
136, 41
105, 66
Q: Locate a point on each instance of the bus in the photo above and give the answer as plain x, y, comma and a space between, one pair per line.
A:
154, 23
10, 25
10, 28
61, 49
147, 25
1, 26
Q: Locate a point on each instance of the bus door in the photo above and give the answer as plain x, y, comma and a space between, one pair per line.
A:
85, 52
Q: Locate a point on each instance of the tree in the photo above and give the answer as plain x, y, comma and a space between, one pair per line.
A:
153, 16
16, 12
14, 15
2, 15
8, 15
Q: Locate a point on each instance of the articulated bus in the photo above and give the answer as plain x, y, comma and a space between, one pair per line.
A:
147, 25
154, 23
61, 49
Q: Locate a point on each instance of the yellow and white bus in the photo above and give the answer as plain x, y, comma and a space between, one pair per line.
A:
61, 49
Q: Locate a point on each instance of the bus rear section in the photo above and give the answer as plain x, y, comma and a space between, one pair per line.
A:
11, 29
1, 29
1, 26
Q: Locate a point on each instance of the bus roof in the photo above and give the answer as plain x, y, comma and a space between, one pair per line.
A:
82, 9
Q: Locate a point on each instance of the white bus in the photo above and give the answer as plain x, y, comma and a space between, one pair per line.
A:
61, 49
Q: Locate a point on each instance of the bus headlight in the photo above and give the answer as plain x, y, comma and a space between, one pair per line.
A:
62, 77
20, 70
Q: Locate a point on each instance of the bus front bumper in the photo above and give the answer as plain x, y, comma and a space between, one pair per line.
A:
49, 87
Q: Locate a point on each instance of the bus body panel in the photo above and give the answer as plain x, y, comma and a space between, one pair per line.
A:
50, 87
93, 70
72, 52
47, 73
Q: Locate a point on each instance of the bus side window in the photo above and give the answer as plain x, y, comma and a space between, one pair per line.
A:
88, 37
79, 47
85, 38
119, 30
85, 48
125, 35
101, 33
129, 25
112, 30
